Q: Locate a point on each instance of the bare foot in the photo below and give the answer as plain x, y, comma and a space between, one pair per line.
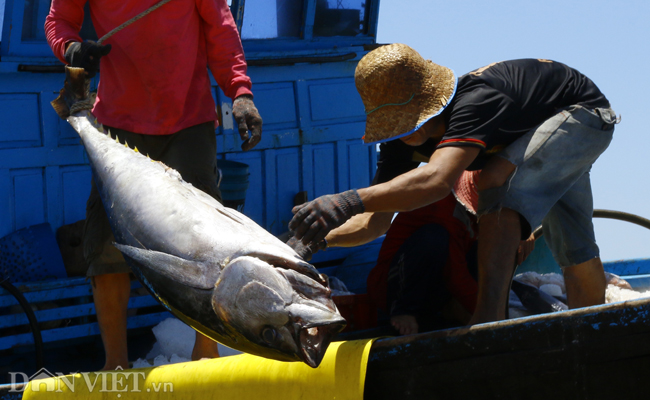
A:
405, 324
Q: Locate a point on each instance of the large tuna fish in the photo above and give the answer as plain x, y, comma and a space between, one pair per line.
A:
213, 267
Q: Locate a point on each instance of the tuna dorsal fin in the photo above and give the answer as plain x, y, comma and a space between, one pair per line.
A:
191, 273
209, 200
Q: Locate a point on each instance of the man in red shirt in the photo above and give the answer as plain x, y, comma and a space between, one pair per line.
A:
155, 94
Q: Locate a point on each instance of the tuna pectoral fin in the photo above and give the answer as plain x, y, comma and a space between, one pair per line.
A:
191, 273
288, 261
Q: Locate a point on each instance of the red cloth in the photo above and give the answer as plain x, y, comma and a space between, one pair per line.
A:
458, 280
155, 79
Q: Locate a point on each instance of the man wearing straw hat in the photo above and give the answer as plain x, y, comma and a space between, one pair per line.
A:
533, 126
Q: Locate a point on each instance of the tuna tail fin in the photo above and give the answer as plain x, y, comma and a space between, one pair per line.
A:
76, 88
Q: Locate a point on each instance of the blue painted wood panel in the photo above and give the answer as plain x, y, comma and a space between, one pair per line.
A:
347, 106
287, 164
313, 123
75, 188
276, 103
324, 170
362, 162
253, 206
29, 197
19, 114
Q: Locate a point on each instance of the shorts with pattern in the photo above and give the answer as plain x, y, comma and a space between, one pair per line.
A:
551, 185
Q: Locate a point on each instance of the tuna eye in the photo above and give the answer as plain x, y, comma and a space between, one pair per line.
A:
269, 334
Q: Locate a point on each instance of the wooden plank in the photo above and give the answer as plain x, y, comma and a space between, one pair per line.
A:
37, 292
49, 295
27, 287
271, 204
71, 332
324, 169
40, 157
67, 312
308, 183
29, 197
276, 103
335, 101
75, 188
572, 351
310, 13
19, 113
343, 167
287, 185
6, 203
54, 196
359, 164
254, 205
628, 267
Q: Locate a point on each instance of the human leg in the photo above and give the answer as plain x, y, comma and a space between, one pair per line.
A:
544, 165
585, 283
111, 294
498, 239
110, 280
569, 234
204, 347
416, 288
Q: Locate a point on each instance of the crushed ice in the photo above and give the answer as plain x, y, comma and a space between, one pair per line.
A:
553, 284
174, 343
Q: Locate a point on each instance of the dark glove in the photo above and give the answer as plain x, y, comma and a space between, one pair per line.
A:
314, 220
248, 119
86, 55
306, 251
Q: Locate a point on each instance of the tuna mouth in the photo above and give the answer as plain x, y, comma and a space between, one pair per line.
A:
314, 341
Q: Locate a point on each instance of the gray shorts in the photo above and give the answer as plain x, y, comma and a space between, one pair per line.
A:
191, 151
551, 186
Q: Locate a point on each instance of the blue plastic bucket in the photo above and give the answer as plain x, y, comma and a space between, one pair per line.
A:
233, 183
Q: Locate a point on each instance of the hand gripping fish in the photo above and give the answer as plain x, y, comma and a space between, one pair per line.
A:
211, 266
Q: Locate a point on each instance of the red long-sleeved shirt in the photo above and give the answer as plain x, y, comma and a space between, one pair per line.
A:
155, 79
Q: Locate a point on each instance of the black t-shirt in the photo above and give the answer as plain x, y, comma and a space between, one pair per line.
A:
494, 106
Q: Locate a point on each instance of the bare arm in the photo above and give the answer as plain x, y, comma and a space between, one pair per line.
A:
360, 229
313, 221
421, 186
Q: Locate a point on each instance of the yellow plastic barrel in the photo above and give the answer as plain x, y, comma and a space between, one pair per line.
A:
341, 375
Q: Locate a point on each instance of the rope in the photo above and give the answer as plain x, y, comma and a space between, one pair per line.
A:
132, 20
391, 104
87, 104
81, 105
618, 215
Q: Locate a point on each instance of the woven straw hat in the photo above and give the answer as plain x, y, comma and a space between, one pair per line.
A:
401, 91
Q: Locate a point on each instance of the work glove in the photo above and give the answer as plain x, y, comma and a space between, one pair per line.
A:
248, 119
86, 55
314, 220
306, 251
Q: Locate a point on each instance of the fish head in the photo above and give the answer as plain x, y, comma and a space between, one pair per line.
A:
281, 313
